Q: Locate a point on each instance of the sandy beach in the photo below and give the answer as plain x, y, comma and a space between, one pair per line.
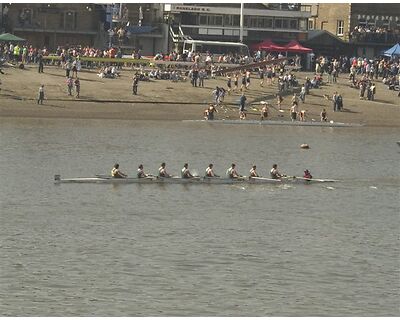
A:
166, 100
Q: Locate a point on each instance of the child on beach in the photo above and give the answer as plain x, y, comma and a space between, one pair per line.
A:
41, 94
77, 87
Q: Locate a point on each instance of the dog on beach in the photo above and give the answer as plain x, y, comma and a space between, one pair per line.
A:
327, 97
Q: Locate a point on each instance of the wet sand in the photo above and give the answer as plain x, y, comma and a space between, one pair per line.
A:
166, 100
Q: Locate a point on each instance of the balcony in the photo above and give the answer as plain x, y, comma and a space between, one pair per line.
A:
372, 37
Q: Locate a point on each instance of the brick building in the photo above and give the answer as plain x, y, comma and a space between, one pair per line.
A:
368, 28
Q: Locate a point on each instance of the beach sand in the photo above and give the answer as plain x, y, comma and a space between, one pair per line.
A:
166, 100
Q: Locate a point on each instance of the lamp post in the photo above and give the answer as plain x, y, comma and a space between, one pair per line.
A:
241, 21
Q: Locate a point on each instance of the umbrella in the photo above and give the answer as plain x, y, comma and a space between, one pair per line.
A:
10, 37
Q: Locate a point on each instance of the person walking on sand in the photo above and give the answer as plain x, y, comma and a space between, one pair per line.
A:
41, 94
135, 82
77, 87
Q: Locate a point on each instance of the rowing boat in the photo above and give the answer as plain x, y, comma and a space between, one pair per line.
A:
195, 180
279, 123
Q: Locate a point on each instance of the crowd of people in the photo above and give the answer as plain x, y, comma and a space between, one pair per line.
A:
374, 34
363, 73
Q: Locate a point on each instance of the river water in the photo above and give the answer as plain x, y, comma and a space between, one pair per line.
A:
197, 250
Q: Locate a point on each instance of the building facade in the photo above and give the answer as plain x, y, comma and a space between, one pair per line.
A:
221, 22
129, 26
368, 28
51, 25
139, 26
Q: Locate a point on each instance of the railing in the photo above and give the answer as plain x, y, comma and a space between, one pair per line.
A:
373, 37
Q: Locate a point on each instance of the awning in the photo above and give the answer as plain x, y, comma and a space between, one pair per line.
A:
294, 46
268, 45
10, 37
393, 51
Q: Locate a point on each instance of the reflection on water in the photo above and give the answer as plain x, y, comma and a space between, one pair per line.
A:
197, 250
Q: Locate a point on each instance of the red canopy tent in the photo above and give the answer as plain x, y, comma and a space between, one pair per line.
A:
268, 45
294, 46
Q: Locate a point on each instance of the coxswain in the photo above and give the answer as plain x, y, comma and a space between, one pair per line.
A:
116, 173
275, 174
307, 174
210, 171
140, 172
231, 173
253, 172
185, 173
162, 171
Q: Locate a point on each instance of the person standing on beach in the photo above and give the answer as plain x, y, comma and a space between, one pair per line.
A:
293, 111
77, 87
41, 94
70, 85
242, 105
235, 82
279, 101
323, 115
40, 61
335, 102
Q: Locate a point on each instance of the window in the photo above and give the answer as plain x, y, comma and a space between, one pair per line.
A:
385, 24
293, 24
203, 20
268, 22
278, 23
215, 20
310, 25
25, 16
236, 20
340, 28
70, 20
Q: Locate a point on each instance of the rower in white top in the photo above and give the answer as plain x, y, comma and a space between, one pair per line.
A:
185, 172
162, 172
210, 172
140, 172
275, 174
231, 173
253, 172
116, 173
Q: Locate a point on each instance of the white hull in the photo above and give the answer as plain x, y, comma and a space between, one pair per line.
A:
199, 180
279, 123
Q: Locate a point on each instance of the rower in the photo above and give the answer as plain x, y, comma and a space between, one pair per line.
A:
231, 173
185, 173
162, 172
140, 172
275, 174
253, 172
210, 171
307, 174
116, 173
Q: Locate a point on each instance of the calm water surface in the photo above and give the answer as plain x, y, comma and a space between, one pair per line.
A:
197, 250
